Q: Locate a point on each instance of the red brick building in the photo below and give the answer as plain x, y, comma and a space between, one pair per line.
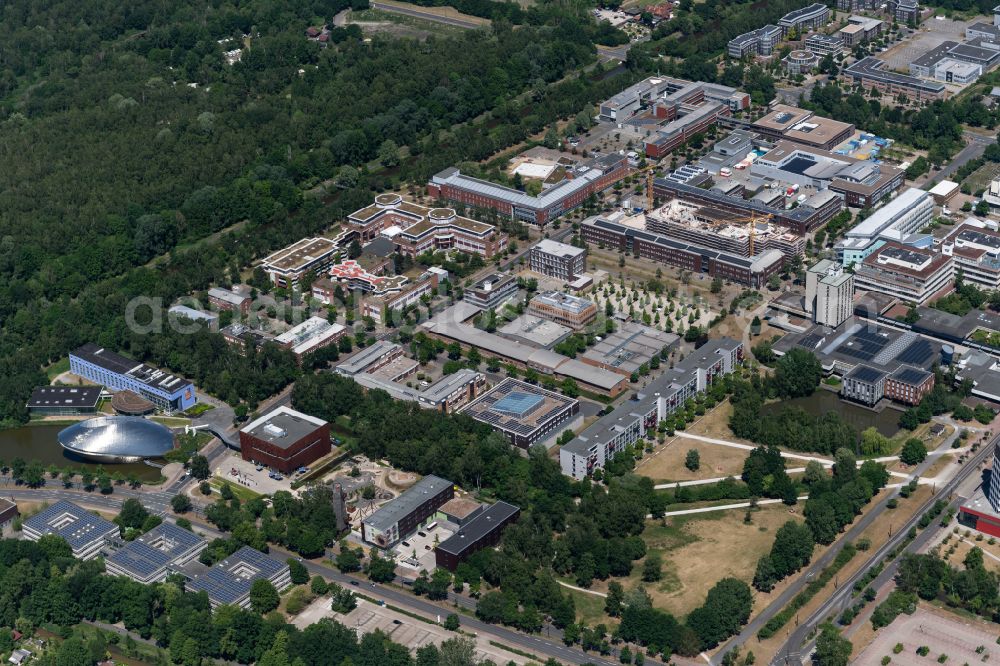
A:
908, 385
284, 440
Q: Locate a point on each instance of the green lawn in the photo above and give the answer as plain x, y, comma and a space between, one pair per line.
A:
57, 368
241, 492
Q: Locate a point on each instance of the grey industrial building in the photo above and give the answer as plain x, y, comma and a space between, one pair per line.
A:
400, 517
84, 531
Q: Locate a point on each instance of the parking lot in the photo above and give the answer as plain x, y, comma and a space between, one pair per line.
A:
942, 633
234, 469
422, 547
930, 35
403, 629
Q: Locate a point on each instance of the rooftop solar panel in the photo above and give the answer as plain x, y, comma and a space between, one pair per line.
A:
918, 353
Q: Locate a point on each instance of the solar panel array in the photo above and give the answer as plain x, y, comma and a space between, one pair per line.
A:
229, 581
866, 374
863, 345
908, 375
76, 526
155, 550
499, 408
918, 353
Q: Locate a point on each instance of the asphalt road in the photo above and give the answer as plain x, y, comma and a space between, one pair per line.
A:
796, 645
426, 15
974, 148
783, 599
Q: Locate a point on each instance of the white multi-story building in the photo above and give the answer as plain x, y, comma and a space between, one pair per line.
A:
665, 395
558, 260
976, 252
908, 273
912, 210
829, 293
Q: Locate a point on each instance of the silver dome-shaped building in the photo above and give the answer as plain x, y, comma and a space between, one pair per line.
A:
117, 439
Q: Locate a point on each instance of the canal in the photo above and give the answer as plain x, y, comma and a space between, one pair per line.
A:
823, 401
38, 442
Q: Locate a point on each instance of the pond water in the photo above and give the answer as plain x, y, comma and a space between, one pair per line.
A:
38, 442
823, 401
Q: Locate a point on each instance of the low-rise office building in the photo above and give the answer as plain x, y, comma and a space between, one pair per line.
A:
908, 273
908, 384
904, 11
909, 212
581, 182
167, 391
807, 18
802, 127
311, 335
229, 581
370, 358
85, 532
822, 44
400, 517
285, 440
566, 309
288, 266
664, 395
64, 400
870, 72
975, 251
800, 61
155, 554
759, 42
227, 299
558, 260
864, 384
629, 347
492, 291
483, 531
524, 413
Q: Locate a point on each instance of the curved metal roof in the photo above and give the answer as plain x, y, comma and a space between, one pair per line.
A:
118, 436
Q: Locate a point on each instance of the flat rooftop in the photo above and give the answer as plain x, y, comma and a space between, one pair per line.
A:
77, 526
802, 125
118, 364
483, 524
299, 255
535, 330
65, 396
283, 426
155, 549
230, 580
630, 345
406, 503
366, 357
518, 407
559, 249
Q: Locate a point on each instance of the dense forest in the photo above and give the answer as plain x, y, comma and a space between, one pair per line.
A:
127, 138
44, 586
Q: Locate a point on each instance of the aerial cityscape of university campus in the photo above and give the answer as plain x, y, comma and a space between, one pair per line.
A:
489, 332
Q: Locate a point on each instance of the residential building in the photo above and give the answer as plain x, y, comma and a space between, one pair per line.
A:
524, 413
482, 531
168, 392
751, 271
908, 273
803, 20
563, 308
629, 347
910, 211
870, 72
229, 581
629, 422
310, 336
829, 293
864, 384
822, 44
571, 192
400, 518
227, 299
85, 532
492, 291
285, 440
156, 554
558, 260
802, 127
288, 266
64, 400
908, 384
759, 42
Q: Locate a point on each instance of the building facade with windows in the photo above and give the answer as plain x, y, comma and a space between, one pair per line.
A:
285, 440
864, 384
908, 384
558, 260
400, 517
829, 293
169, 392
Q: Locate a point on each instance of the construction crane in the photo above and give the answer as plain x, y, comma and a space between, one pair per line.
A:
648, 171
752, 220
